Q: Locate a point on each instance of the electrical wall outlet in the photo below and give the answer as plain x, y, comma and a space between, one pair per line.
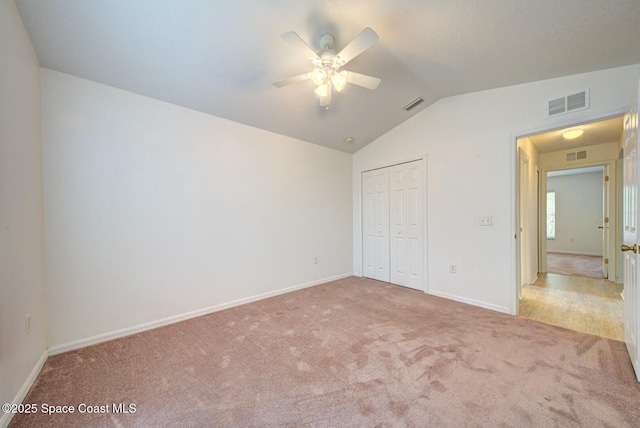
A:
27, 324
486, 220
452, 268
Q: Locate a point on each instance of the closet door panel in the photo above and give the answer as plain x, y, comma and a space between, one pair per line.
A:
368, 225
397, 219
407, 258
375, 224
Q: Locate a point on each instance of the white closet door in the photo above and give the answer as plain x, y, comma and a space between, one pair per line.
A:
375, 215
406, 225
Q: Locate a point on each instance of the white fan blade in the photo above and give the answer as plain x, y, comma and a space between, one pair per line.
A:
296, 41
363, 80
361, 43
292, 80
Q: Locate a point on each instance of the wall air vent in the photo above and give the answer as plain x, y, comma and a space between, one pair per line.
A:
576, 156
413, 104
568, 104
557, 106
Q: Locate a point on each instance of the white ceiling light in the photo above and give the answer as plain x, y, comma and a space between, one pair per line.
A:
322, 90
339, 80
319, 76
327, 62
572, 134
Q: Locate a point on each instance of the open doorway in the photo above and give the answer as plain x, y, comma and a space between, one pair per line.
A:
567, 196
577, 223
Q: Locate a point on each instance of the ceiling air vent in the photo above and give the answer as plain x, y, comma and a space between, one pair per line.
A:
568, 104
413, 104
576, 156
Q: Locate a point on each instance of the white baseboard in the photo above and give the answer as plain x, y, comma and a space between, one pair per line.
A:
473, 302
6, 417
82, 343
575, 253
460, 299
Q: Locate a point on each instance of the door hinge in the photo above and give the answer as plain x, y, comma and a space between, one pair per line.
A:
606, 261
606, 178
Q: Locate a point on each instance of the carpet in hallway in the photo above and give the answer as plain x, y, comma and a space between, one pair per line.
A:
574, 264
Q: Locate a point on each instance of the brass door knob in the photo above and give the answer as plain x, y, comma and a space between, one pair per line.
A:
634, 248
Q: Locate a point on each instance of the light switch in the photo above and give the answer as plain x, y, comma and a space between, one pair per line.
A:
486, 221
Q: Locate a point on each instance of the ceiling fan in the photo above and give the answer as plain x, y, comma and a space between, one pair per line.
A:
326, 74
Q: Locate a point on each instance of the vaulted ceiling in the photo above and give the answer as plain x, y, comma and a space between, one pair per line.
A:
221, 57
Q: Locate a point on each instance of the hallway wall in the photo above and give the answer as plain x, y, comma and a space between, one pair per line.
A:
578, 213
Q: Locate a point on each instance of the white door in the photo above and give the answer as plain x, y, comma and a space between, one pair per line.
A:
605, 223
406, 205
630, 235
375, 224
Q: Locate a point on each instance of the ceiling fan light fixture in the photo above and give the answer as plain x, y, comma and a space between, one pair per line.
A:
572, 134
327, 62
319, 76
322, 90
339, 80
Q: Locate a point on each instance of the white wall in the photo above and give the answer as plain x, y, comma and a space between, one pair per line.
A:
578, 213
598, 153
471, 156
21, 210
154, 211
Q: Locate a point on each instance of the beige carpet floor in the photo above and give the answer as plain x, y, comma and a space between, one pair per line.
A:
574, 264
354, 353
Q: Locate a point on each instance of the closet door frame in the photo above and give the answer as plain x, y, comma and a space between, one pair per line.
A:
423, 160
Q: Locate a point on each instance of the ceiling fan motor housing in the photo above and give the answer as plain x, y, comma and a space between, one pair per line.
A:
329, 59
326, 41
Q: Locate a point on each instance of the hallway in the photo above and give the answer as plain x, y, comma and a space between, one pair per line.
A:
589, 305
574, 264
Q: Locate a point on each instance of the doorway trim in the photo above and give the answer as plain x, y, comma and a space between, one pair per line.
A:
610, 169
515, 193
523, 219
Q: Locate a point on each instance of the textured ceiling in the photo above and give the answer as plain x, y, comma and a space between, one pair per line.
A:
221, 57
